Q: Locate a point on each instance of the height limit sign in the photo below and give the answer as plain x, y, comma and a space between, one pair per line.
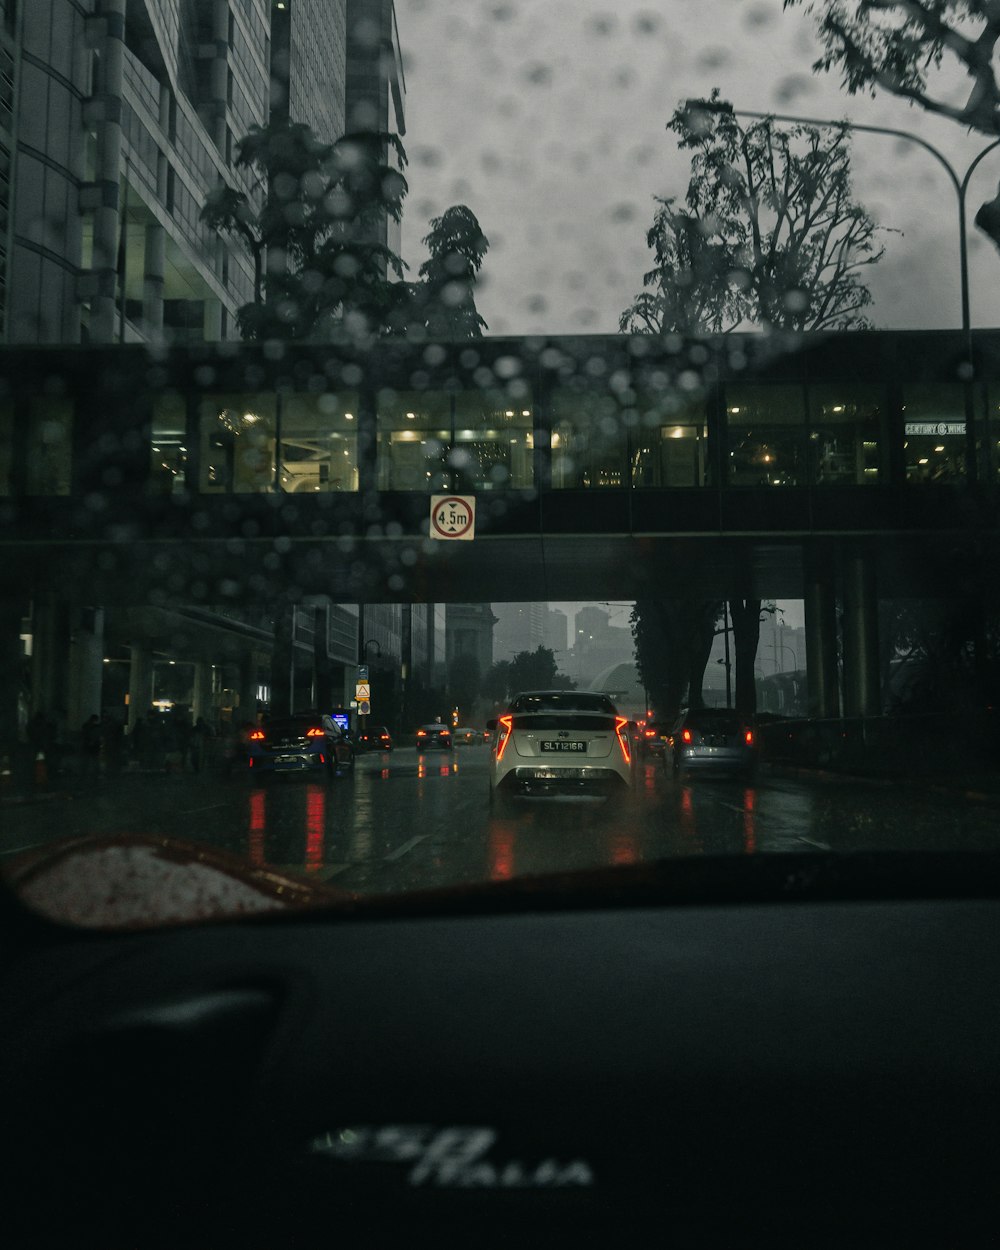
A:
453, 516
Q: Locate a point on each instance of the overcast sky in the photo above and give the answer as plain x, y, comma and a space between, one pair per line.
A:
547, 117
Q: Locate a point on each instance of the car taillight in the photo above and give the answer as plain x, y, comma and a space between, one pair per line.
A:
314, 733
621, 729
257, 735
421, 734
650, 733
505, 725
686, 735
749, 737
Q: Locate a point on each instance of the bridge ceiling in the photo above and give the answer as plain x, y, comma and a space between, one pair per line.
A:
526, 568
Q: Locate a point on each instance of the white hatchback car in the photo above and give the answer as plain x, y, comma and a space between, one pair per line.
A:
560, 742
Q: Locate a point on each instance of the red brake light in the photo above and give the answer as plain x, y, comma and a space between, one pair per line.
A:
421, 733
749, 737
621, 729
257, 735
505, 725
314, 733
650, 733
686, 735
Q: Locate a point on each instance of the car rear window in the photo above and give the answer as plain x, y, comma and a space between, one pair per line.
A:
570, 701
589, 721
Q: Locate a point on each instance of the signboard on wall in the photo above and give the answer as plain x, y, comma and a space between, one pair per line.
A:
453, 517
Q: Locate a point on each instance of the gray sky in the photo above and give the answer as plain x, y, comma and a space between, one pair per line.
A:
547, 117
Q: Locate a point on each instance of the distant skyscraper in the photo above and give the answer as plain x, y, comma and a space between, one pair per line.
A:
520, 627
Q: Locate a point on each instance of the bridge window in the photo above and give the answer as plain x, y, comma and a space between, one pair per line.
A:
934, 443
238, 435
50, 447
589, 439
318, 443
670, 441
463, 440
168, 446
844, 434
6, 446
767, 435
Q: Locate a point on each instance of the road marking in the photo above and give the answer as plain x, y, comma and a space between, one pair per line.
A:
400, 851
822, 846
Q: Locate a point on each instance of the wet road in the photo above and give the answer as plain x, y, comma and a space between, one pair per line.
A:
407, 822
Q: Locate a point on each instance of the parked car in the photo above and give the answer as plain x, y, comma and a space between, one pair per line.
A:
375, 738
713, 739
434, 737
561, 741
309, 742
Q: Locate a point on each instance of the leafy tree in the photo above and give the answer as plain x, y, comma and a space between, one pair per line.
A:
673, 640
770, 235
896, 45
319, 272
443, 303
528, 670
902, 46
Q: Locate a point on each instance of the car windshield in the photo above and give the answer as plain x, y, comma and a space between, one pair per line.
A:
438, 362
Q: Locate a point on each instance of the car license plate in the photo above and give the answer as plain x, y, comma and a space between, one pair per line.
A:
564, 746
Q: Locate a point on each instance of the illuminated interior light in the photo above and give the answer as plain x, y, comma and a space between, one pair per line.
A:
939, 449
836, 408
923, 461
410, 416
734, 410
525, 412
348, 416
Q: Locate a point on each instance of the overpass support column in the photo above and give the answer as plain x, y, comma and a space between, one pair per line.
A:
50, 644
862, 689
12, 612
201, 698
247, 690
86, 665
821, 640
140, 683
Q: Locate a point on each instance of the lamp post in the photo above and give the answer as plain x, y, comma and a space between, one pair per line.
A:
960, 184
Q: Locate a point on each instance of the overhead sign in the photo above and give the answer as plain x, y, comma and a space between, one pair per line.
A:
362, 672
453, 516
362, 691
935, 428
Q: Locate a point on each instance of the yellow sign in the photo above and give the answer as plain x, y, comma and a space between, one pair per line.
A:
363, 691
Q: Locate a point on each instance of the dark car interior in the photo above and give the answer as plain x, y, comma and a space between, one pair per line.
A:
785, 1051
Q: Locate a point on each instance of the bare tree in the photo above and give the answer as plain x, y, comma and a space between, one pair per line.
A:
772, 234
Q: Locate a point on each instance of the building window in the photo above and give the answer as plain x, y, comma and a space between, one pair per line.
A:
934, 440
766, 435
589, 439
462, 440
318, 443
168, 446
670, 441
237, 434
844, 434
50, 447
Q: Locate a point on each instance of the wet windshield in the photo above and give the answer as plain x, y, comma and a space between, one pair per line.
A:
375, 370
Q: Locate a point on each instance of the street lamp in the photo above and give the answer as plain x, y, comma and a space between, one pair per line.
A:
960, 185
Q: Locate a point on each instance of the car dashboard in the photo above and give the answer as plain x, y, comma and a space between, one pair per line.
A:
803, 1055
